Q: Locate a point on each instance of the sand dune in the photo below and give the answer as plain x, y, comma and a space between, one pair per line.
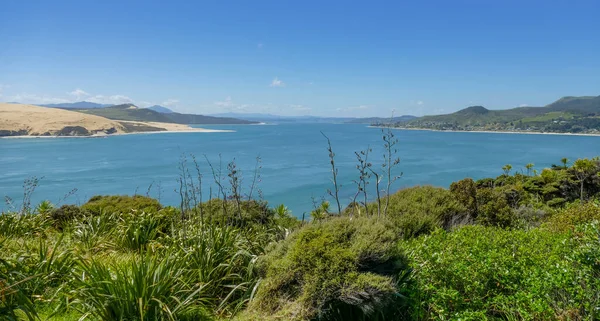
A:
18, 120
29, 120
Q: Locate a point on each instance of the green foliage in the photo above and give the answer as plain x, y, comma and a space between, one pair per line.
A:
494, 209
250, 214
489, 273
575, 214
121, 204
422, 209
465, 192
338, 267
150, 287
14, 302
140, 229
66, 215
23, 225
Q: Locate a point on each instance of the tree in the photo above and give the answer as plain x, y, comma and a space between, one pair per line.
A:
465, 192
507, 168
529, 167
564, 161
584, 168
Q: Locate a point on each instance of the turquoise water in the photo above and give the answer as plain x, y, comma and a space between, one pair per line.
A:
295, 165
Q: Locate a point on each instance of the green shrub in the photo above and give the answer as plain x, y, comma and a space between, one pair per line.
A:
570, 217
482, 273
494, 209
121, 204
465, 192
420, 210
340, 268
66, 215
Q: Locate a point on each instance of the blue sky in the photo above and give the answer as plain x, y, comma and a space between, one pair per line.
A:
330, 58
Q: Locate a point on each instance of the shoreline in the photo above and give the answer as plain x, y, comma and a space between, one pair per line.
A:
487, 131
97, 135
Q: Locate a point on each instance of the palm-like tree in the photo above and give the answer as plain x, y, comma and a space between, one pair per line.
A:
564, 161
529, 167
507, 168
584, 168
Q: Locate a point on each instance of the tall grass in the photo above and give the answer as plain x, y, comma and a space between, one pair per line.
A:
149, 287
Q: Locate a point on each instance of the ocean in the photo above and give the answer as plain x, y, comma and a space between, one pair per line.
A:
295, 168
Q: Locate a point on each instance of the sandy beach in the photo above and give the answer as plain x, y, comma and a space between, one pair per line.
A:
28, 121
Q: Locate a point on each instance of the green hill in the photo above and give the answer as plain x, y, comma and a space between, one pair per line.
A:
133, 113
566, 115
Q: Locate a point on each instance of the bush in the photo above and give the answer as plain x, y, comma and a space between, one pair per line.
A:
481, 273
576, 214
121, 204
494, 209
347, 269
66, 215
420, 210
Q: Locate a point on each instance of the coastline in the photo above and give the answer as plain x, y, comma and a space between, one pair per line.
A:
487, 131
175, 128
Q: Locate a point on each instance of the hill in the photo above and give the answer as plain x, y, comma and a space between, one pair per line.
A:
22, 120
80, 104
133, 113
566, 115
160, 109
381, 120
311, 119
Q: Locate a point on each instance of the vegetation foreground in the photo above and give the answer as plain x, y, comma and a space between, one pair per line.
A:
521, 246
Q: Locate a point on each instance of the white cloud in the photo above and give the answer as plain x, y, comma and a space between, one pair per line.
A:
523, 105
171, 102
79, 94
26, 98
277, 83
420, 102
417, 102
354, 108
225, 103
114, 99
300, 108
260, 45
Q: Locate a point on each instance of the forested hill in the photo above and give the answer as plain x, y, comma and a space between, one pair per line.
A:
133, 113
568, 115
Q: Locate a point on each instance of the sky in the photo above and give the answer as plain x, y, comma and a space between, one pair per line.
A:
322, 58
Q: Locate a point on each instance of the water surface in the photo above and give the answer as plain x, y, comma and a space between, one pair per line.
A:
295, 165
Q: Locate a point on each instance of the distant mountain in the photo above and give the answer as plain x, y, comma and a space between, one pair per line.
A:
310, 119
283, 119
568, 114
81, 104
160, 109
248, 116
378, 120
133, 113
